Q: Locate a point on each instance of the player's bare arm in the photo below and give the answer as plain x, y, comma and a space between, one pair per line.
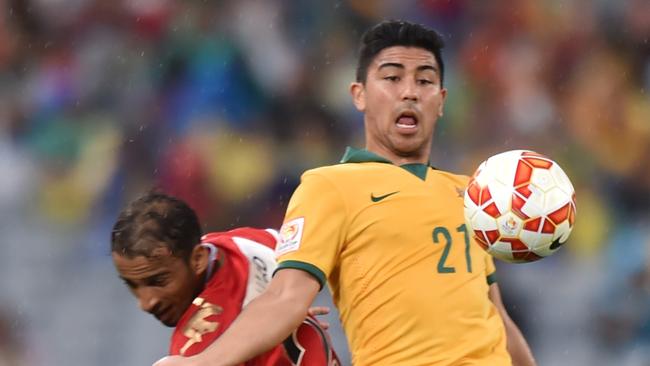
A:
264, 323
516, 343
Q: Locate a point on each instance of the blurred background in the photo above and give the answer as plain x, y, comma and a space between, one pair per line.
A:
226, 103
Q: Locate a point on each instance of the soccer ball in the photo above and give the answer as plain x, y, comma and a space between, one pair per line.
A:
520, 206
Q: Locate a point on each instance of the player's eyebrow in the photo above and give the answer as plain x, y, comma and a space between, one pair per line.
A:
400, 66
390, 64
156, 276
144, 279
427, 67
127, 281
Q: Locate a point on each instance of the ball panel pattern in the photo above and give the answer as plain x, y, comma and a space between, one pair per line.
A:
520, 206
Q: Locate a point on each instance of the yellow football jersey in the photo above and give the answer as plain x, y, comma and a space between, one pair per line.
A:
405, 274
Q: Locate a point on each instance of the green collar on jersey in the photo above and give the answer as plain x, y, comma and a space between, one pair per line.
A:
353, 155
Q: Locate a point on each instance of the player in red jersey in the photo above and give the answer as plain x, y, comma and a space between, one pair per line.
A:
199, 284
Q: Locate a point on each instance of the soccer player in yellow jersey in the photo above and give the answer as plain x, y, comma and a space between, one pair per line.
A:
385, 230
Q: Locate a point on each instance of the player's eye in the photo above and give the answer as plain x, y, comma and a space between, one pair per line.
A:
424, 82
391, 78
157, 281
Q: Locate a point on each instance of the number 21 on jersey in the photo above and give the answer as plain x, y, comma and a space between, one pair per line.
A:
441, 236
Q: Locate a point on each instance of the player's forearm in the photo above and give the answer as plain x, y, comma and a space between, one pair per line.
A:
263, 324
517, 346
516, 343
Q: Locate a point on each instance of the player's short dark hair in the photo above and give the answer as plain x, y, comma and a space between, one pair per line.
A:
391, 33
156, 220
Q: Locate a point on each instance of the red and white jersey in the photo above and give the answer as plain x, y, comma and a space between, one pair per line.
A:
247, 262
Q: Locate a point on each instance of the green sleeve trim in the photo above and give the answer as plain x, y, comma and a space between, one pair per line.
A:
304, 266
491, 278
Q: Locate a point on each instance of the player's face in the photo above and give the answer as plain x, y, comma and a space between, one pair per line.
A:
164, 285
402, 99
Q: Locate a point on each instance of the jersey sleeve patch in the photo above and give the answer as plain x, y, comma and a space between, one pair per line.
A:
290, 236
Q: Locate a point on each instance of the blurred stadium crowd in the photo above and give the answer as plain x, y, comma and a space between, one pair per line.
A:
225, 103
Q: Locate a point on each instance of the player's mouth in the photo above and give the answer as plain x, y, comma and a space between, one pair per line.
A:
164, 315
407, 121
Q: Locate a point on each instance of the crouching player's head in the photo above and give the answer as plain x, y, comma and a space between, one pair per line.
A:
154, 245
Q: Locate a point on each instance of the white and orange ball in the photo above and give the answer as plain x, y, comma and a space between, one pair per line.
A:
520, 206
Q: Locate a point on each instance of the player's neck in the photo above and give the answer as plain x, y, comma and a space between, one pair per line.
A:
395, 158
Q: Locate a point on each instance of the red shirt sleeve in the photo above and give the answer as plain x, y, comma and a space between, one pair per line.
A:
309, 345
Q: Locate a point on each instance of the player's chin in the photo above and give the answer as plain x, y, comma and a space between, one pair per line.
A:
168, 319
408, 147
170, 324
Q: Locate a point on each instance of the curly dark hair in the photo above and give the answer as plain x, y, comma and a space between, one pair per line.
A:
156, 220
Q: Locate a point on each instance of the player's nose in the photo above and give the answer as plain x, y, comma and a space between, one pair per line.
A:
409, 93
147, 301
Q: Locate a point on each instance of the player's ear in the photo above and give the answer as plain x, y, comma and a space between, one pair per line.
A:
200, 259
441, 107
358, 92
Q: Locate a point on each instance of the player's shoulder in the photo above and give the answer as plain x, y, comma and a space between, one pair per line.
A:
248, 235
334, 169
339, 173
